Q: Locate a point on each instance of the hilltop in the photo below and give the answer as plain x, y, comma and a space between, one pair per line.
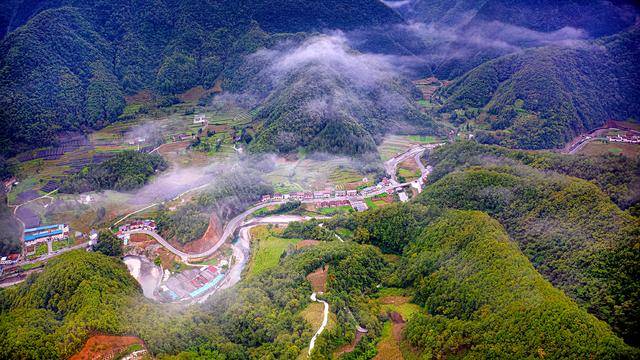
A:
541, 98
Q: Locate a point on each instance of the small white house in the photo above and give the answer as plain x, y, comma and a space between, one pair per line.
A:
200, 119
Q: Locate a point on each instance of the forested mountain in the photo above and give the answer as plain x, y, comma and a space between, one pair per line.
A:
542, 98
70, 65
320, 94
478, 297
572, 233
596, 17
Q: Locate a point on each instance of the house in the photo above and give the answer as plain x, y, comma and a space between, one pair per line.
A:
286, 196
318, 194
341, 193
359, 205
277, 196
352, 192
8, 183
200, 119
46, 233
308, 195
265, 198
403, 196
9, 259
137, 225
417, 184
298, 195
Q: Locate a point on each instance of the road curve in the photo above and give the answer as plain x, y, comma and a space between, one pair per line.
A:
233, 224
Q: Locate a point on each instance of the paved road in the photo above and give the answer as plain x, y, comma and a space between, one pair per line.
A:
325, 319
234, 223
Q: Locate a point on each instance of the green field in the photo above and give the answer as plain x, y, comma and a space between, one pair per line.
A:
267, 248
336, 210
57, 245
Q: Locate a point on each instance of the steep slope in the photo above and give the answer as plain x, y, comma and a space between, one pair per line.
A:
598, 18
166, 46
320, 94
483, 299
572, 233
541, 98
55, 73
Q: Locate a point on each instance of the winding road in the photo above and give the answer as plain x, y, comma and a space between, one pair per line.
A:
325, 320
231, 227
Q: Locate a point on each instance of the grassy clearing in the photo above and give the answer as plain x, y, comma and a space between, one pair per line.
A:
268, 247
423, 139
336, 210
57, 245
388, 346
313, 314
595, 148
34, 265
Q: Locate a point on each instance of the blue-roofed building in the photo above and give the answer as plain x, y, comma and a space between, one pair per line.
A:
41, 234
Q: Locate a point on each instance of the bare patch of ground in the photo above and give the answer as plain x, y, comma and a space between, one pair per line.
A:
349, 347
389, 346
318, 279
105, 347
306, 243
210, 237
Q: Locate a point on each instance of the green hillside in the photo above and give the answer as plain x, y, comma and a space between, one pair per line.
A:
542, 98
596, 17
67, 66
574, 235
483, 299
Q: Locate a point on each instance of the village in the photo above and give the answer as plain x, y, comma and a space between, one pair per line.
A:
197, 280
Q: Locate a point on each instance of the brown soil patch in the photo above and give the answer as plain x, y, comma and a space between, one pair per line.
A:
306, 243
390, 347
318, 278
143, 96
409, 164
195, 94
219, 128
165, 149
105, 347
140, 238
349, 347
217, 87
396, 300
210, 237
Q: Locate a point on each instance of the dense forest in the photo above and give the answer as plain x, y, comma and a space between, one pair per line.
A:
542, 98
230, 193
128, 170
618, 176
596, 17
10, 234
446, 257
67, 66
572, 232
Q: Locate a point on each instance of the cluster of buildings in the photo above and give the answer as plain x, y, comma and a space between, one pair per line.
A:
136, 225
630, 137
190, 284
200, 119
333, 203
42, 234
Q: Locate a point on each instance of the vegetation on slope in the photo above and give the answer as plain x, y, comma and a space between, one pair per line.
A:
10, 234
484, 299
543, 97
55, 312
67, 65
617, 176
80, 293
572, 233
126, 171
